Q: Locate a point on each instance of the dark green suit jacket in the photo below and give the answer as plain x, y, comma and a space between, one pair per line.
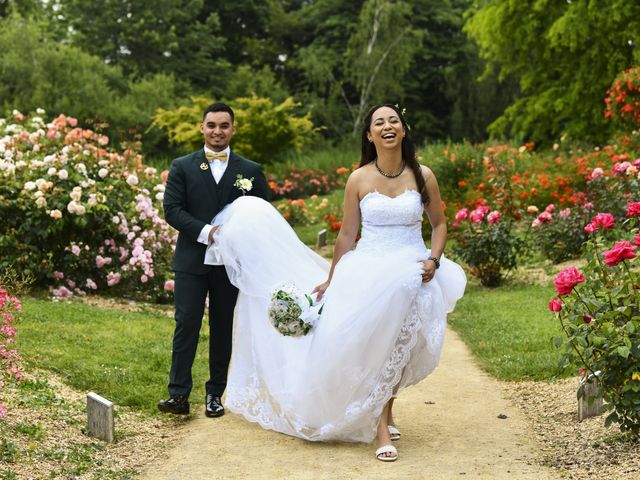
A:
192, 198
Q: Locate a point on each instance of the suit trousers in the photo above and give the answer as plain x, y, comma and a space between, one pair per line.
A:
190, 292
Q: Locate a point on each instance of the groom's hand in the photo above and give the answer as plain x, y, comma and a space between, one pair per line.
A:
212, 231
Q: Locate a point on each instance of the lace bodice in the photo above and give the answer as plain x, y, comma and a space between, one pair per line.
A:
391, 222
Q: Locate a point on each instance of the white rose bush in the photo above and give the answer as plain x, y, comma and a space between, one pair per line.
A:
78, 216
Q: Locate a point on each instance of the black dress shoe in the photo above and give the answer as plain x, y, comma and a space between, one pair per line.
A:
177, 405
213, 406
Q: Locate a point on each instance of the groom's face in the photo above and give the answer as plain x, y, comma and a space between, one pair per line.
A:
217, 129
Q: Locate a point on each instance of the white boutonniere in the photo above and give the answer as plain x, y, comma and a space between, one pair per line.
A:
243, 184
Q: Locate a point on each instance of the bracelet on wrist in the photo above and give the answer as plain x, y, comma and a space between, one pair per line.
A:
435, 260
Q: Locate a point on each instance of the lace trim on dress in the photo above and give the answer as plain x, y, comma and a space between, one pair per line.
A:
255, 404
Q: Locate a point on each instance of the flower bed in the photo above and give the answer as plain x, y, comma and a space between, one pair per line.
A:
77, 216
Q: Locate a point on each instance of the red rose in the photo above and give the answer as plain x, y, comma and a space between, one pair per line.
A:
620, 251
567, 279
633, 209
636, 240
555, 305
587, 319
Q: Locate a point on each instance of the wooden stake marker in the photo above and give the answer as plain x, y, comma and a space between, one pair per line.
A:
322, 238
100, 417
588, 409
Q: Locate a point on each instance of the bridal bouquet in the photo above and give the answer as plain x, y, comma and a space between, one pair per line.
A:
291, 312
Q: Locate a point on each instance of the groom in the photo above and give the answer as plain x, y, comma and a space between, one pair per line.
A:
198, 187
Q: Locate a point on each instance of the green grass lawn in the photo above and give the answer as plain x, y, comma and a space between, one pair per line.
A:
125, 356
510, 331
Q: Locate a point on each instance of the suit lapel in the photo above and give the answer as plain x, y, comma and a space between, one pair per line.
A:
199, 161
229, 177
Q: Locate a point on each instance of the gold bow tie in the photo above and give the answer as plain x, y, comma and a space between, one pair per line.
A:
220, 156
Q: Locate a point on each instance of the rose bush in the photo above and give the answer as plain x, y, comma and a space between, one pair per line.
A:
558, 236
10, 310
299, 182
77, 216
623, 99
599, 310
486, 243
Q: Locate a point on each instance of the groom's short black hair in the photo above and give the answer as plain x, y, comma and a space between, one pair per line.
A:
219, 107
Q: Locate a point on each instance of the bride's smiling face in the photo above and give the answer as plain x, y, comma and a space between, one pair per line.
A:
386, 129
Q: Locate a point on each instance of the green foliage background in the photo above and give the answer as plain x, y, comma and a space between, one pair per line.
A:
532, 70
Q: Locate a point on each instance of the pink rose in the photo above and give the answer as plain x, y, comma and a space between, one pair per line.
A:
597, 172
478, 213
102, 261
588, 206
550, 208
493, 217
144, 278
604, 220
565, 212
555, 305
590, 228
633, 209
620, 251
113, 278
58, 275
462, 214
169, 285
544, 217
620, 168
75, 249
567, 279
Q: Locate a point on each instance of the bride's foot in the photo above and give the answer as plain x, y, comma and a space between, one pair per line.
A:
394, 433
387, 453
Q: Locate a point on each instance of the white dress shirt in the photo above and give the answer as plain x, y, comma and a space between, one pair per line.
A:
217, 168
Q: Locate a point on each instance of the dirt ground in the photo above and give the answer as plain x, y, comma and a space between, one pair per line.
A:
450, 423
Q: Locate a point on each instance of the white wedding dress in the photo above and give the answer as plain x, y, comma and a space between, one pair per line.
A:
381, 328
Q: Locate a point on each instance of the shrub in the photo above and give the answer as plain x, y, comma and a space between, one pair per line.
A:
10, 310
599, 310
623, 99
76, 216
300, 182
264, 132
558, 236
486, 243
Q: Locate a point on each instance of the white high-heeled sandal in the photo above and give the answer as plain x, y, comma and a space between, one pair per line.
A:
387, 449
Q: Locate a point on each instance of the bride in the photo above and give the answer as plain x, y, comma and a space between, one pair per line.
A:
385, 299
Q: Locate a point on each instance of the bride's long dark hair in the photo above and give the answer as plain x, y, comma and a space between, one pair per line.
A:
369, 153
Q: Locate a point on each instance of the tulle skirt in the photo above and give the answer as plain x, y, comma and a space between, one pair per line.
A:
381, 328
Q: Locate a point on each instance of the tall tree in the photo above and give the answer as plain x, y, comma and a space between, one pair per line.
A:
380, 52
165, 36
563, 55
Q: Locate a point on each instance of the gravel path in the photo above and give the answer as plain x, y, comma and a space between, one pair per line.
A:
450, 429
